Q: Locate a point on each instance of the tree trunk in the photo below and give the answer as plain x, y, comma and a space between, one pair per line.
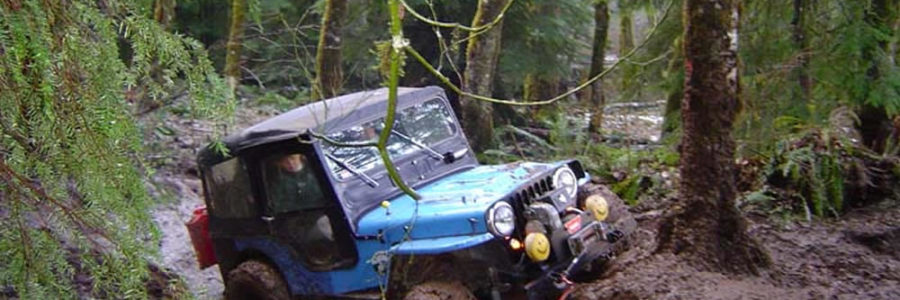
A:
329, 79
706, 228
481, 61
801, 70
233, 47
875, 124
164, 12
626, 43
537, 88
598, 101
672, 114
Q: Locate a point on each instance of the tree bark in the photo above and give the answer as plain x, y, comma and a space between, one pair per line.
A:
164, 12
481, 61
598, 101
537, 88
233, 47
875, 124
329, 78
672, 114
626, 43
801, 70
705, 227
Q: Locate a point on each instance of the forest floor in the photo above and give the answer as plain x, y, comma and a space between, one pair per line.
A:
856, 256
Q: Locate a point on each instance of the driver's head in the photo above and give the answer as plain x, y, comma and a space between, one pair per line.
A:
292, 163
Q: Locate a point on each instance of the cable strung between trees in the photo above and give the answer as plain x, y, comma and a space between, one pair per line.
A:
583, 85
480, 28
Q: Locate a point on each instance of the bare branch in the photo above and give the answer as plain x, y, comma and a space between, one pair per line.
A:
431, 22
583, 85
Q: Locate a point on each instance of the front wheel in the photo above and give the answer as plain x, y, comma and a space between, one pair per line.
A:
254, 279
438, 290
621, 219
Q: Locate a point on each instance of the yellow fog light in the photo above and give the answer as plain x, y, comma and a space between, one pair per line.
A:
537, 246
597, 205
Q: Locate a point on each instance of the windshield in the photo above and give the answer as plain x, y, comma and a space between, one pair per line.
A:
426, 123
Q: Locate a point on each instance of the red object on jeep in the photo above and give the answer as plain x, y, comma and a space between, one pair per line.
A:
198, 228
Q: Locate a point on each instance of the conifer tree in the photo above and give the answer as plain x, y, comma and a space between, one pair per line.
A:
73, 201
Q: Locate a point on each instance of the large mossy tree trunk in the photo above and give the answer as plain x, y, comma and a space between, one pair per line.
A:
329, 78
598, 101
233, 47
481, 61
705, 228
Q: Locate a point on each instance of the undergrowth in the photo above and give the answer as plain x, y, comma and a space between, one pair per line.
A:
632, 172
819, 170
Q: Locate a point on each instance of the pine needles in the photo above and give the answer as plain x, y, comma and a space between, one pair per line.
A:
73, 203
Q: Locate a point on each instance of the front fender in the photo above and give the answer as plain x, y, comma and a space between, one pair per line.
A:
441, 244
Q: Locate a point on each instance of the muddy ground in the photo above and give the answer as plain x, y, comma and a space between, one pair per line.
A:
854, 257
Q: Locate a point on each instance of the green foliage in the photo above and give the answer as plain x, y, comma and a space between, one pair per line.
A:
808, 171
847, 61
816, 174
538, 40
74, 199
279, 43
629, 188
632, 173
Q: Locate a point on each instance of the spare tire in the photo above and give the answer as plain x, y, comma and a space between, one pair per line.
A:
254, 279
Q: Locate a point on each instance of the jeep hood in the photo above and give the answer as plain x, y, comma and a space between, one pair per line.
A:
451, 206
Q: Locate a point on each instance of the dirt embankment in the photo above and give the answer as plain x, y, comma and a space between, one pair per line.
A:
855, 257
177, 187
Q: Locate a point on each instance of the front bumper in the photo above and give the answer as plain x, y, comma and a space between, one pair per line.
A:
597, 240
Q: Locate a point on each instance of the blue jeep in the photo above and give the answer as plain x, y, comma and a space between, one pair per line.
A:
296, 211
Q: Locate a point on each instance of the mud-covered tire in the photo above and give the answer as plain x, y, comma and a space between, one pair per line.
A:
254, 279
620, 218
438, 290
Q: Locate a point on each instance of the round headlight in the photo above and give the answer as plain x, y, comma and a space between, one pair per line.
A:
501, 220
565, 179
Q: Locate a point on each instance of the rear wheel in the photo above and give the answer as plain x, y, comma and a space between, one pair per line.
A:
254, 279
438, 290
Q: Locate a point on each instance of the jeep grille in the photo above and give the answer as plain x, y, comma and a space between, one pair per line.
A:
526, 195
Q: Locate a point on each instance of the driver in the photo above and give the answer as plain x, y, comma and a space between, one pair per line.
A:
292, 185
